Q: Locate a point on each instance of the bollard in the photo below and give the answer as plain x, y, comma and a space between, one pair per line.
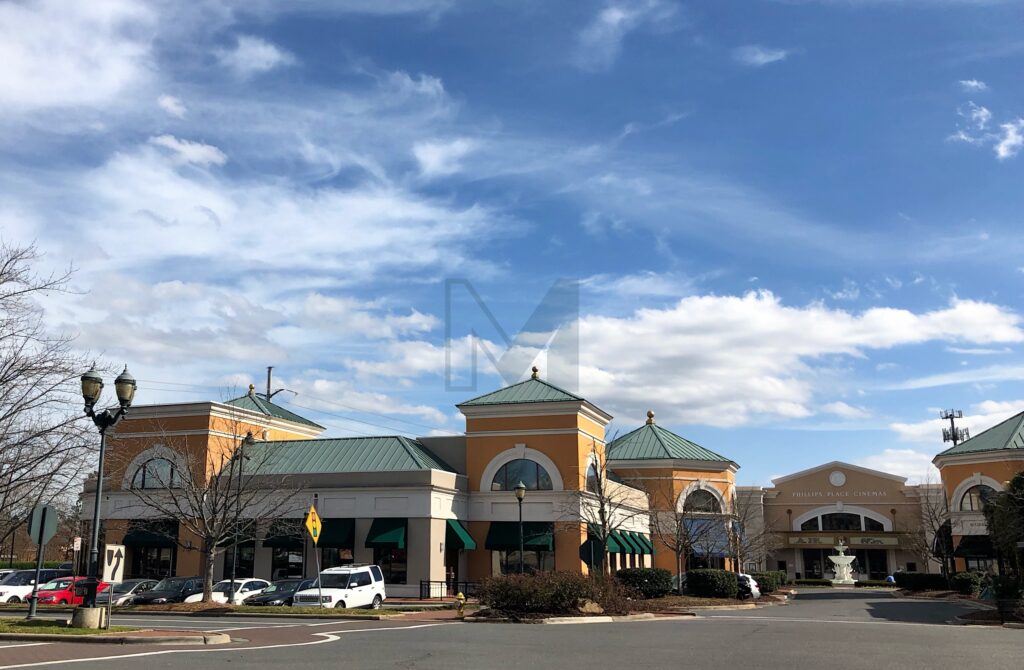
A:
461, 600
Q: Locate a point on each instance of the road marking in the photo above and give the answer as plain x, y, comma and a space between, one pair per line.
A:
332, 636
24, 644
709, 617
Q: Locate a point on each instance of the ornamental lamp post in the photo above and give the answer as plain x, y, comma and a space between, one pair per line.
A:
92, 388
520, 490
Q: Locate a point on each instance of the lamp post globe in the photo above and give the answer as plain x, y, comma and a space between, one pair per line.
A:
520, 490
92, 388
125, 385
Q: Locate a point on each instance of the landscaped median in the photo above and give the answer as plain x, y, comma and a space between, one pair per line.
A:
221, 609
48, 630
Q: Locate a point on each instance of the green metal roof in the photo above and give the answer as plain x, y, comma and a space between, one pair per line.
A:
393, 453
255, 403
531, 390
1006, 435
652, 442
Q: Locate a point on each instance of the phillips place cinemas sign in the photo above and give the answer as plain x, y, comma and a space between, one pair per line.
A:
839, 494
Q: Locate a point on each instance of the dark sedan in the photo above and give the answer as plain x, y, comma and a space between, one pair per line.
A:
170, 590
280, 592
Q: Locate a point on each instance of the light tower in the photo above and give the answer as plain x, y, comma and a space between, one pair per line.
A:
953, 434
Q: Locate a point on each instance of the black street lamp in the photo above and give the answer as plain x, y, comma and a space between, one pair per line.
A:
92, 388
520, 490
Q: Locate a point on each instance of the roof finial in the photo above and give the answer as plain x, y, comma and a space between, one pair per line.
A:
536, 372
252, 389
650, 417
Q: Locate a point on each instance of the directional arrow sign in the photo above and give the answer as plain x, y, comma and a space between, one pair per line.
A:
42, 524
113, 564
313, 524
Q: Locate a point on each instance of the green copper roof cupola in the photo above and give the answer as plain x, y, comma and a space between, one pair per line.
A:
254, 402
652, 442
533, 389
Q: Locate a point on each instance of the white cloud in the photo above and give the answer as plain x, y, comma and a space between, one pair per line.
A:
972, 85
252, 55
59, 54
756, 55
1010, 140
173, 106
850, 291
186, 151
916, 466
978, 351
846, 411
442, 158
599, 44
978, 115
652, 284
983, 416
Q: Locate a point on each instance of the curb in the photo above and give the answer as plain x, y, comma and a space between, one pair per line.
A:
575, 620
243, 615
744, 606
206, 638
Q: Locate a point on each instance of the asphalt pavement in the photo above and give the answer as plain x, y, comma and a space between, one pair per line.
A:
823, 629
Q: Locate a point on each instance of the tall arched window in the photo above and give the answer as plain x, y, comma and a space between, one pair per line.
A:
523, 470
976, 498
592, 477
702, 501
157, 473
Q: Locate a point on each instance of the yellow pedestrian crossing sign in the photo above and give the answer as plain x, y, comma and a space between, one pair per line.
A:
313, 524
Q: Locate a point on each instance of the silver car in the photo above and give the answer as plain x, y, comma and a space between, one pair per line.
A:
124, 591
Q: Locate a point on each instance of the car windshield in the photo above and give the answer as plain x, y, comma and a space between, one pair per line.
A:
277, 587
125, 587
225, 586
170, 584
18, 578
56, 585
333, 580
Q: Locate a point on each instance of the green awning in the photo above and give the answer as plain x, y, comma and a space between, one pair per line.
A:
387, 534
975, 546
615, 544
628, 546
458, 537
338, 534
285, 534
160, 533
537, 536
645, 543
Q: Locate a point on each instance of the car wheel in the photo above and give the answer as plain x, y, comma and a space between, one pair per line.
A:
62, 602
375, 605
13, 599
340, 605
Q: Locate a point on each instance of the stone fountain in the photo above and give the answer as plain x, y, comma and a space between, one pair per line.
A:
842, 569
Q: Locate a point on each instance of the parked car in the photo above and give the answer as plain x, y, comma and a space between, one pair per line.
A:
17, 586
61, 591
66, 565
222, 589
169, 590
345, 586
748, 587
280, 592
125, 591
4, 572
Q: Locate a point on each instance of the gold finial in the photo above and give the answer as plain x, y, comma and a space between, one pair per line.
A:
536, 372
252, 389
650, 417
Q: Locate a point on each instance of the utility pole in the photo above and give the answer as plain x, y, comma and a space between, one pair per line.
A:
953, 434
270, 373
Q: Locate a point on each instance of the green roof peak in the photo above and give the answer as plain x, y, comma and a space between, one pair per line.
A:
533, 389
652, 442
390, 453
1008, 434
254, 402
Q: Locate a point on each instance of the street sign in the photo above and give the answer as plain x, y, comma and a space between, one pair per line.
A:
42, 524
313, 524
76, 544
113, 564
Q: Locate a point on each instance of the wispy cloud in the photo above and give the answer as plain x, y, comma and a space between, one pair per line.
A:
1010, 139
186, 151
755, 55
253, 55
599, 43
173, 106
971, 85
439, 158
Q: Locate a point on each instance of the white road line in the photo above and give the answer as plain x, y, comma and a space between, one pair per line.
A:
24, 644
326, 637
711, 617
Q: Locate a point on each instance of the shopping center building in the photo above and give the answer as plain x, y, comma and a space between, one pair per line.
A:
435, 512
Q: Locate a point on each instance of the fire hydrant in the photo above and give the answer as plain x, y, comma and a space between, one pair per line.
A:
460, 599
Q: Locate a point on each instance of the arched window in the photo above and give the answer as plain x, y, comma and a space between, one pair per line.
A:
523, 470
157, 473
702, 501
840, 521
976, 498
592, 477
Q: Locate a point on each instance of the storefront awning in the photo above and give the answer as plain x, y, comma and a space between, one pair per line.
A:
387, 534
615, 544
975, 546
707, 537
504, 536
456, 536
159, 533
645, 545
627, 542
338, 534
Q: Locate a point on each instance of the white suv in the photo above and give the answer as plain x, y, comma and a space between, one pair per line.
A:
346, 586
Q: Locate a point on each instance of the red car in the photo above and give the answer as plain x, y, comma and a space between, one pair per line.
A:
61, 591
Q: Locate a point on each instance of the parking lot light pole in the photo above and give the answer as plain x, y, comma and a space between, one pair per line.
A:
520, 494
92, 388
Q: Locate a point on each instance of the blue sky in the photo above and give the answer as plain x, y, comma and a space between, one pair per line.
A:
795, 225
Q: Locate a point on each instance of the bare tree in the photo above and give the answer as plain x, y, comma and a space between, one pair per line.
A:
218, 495
43, 445
749, 537
682, 530
930, 537
607, 506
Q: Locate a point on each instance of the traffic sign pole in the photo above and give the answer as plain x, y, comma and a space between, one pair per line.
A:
40, 529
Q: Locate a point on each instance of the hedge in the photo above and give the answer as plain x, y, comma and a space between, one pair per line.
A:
921, 581
28, 565
967, 583
813, 582
553, 593
874, 582
648, 582
712, 583
767, 581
